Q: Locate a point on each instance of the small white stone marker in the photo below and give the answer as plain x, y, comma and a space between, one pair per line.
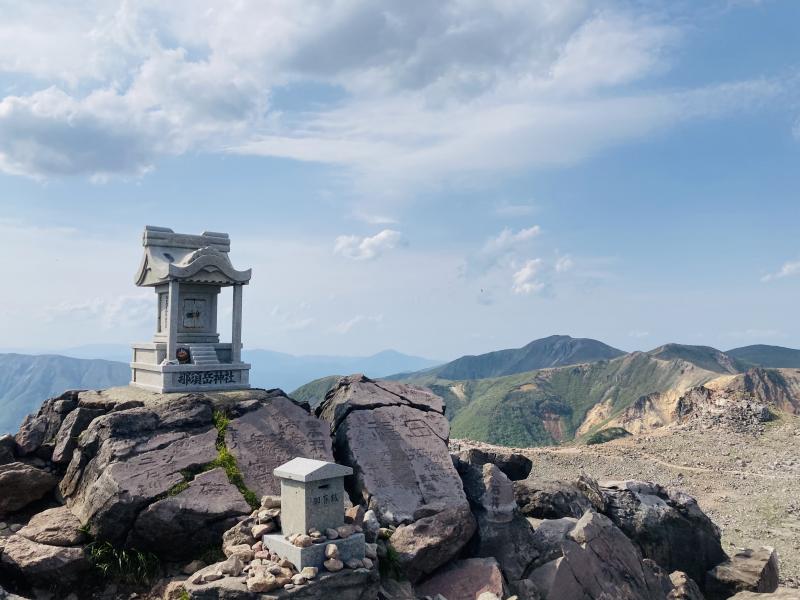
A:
312, 498
312, 495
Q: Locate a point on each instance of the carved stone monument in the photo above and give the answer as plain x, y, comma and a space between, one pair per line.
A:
312, 498
187, 273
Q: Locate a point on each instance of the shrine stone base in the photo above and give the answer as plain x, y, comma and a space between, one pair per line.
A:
313, 556
191, 378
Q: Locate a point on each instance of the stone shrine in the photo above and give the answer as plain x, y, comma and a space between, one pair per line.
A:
187, 273
312, 498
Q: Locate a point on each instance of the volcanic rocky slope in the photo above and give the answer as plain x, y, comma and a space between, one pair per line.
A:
179, 477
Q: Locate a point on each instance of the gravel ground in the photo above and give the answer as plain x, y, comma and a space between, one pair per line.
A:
748, 484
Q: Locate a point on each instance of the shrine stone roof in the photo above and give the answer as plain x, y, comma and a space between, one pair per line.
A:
187, 258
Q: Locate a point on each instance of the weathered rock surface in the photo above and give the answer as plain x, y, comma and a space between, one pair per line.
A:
685, 587
516, 466
54, 527
22, 484
599, 562
668, 526
41, 564
466, 580
193, 519
122, 477
430, 542
502, 532
271, 435
74, 424
395, 438
38, 431
746, 571
556, 499
7, 446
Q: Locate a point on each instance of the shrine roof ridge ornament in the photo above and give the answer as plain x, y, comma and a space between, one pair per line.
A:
190, 258
309, 469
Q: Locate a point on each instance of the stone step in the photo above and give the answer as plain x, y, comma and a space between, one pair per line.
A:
203, 354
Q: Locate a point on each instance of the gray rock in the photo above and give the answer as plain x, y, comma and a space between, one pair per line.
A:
548, 538
193, 519
600, 562
73, 425
371, 526
465, 579
240, 534
685, 587
130, 458
667, 526
7, 445
23, 484
275, 433
4, 595
40, 429
41, 564
54, 527
429, 543
395, 439
502, 532
746, 571
516, 466
558, 499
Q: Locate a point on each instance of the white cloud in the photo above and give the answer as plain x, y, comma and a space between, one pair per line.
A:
525, 280
788, 269
367, 248
110, 313
508, 239
564, 264
429, 91
346, 326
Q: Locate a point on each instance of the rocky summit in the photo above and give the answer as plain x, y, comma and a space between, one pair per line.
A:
127, 493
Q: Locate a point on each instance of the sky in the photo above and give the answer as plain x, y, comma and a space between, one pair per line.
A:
440, 178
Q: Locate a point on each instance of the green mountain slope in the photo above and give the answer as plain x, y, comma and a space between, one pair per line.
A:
553, 351
548, 406
314, 391
770, 357
704, 357
25, 381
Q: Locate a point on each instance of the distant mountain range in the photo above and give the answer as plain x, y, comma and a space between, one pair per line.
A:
572, 388
553, 351
552, 390
27, 380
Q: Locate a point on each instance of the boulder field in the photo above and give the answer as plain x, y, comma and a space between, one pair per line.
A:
183, 484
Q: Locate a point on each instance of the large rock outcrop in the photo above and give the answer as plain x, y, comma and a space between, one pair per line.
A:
395, 438
502, 533
600, 563
667, 526
148, 472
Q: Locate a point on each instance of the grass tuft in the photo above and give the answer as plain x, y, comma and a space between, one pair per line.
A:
129, 566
